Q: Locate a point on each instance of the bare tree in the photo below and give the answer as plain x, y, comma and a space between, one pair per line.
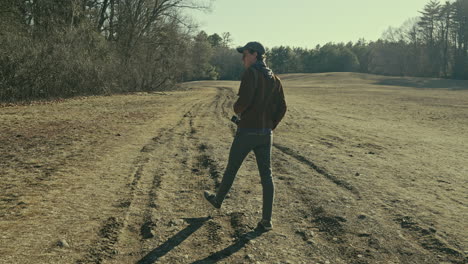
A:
446, 16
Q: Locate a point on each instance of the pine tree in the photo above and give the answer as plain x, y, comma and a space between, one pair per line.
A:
429, 26
430, 16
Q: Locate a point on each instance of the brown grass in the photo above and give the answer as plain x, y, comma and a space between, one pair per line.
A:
368, 169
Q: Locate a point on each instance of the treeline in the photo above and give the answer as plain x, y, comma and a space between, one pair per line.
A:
55, 48
432, 45
213, 58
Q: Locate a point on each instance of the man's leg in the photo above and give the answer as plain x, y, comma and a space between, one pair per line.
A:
263, 156
241, 146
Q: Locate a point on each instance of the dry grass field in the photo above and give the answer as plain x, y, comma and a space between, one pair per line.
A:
367, 169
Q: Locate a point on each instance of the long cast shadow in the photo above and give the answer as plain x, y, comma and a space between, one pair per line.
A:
174, 241
217, 256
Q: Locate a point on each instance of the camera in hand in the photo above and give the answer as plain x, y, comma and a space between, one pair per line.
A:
235, 119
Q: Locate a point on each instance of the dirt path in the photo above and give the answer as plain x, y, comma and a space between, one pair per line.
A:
361, 176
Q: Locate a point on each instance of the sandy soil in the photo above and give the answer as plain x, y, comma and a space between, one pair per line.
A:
367, 169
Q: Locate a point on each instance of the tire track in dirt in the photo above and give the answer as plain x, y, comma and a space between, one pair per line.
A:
208, 164
175, 138
203, 168
321, 231
340, 182
112, 228
140, 197
429, 240
329, 228
422, 240
417, 235
157, 216
339, 231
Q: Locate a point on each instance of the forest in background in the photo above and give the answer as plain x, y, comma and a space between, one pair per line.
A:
57, 49
435, 44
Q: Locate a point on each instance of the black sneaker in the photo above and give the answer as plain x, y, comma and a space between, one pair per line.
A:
211, 198
264, 226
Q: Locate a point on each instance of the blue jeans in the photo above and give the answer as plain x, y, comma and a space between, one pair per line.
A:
243, 143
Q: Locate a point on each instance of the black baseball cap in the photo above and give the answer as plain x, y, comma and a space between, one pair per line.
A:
255, 46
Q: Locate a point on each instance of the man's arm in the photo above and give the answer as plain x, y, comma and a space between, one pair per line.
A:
246, 92
280, 110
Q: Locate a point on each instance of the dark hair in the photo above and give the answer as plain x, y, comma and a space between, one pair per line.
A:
260, 57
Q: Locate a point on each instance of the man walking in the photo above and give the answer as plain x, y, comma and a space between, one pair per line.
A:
260, 107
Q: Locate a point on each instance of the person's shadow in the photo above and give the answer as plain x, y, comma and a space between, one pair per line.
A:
194, 225
224, 253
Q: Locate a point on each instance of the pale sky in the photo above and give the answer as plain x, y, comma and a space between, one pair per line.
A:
305, 23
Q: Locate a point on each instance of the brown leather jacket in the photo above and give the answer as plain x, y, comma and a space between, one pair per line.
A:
260, 104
